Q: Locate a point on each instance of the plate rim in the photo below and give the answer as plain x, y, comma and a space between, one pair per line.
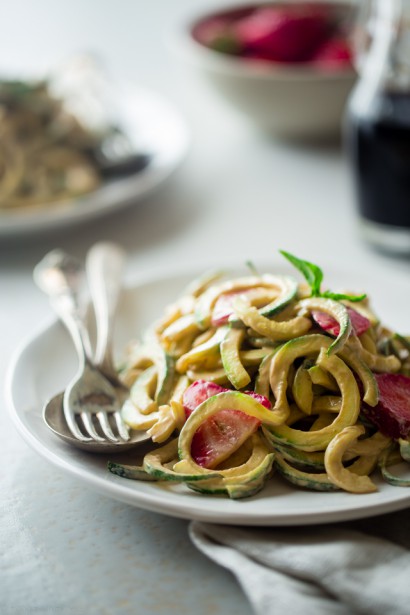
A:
156, 502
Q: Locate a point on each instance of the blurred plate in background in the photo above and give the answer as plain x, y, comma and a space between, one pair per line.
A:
164, 137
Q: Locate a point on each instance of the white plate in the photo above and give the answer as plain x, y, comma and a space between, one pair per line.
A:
151, 122
39, 367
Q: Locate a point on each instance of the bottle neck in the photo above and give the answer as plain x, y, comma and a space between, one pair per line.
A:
388, 58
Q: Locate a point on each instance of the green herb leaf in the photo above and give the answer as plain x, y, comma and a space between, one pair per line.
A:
311, 272
340, 296
250, 265
403, 339
314, 277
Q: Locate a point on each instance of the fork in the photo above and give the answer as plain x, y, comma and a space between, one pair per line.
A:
90, 396
104, 268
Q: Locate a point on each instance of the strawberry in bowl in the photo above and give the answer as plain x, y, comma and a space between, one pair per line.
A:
278, 33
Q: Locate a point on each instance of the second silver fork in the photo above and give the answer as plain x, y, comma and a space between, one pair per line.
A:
90, 395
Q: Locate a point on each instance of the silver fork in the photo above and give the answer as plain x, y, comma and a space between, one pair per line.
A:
90, 394
104, 266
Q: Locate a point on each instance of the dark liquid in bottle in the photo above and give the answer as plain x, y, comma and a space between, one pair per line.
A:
379, 151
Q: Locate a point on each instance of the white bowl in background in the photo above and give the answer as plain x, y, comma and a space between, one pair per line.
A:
292, 100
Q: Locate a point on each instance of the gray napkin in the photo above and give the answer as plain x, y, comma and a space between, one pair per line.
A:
357, 567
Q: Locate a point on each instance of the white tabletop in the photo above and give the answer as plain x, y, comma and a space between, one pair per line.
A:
238, 195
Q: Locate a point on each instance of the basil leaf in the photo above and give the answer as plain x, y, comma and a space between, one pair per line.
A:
314, 277
340, 296
311, 272
250, 265
403, 339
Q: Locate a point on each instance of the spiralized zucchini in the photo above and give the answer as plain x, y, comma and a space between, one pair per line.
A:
315, 434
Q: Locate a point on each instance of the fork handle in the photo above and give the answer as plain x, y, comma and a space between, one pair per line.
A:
104, 266
62, 277
71, 314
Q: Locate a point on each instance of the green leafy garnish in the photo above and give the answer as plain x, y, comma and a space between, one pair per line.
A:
341, 296
403, 339
314, 277
251, 266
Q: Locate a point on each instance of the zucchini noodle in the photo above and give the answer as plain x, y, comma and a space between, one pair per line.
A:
259, 338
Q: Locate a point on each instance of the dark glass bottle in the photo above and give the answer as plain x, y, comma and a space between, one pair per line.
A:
377, 129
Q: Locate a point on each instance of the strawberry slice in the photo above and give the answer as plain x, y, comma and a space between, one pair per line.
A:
197, 392
282, 34
260, 398
392, 413
360, 323
223, 307
221, 435
333, 53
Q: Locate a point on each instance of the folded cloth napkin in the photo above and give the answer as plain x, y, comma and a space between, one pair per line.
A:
340, 569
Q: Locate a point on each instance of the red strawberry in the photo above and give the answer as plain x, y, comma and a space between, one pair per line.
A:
221, 435
333, 53
392, 413
198, 392
223, 307
260, 398
282, 34
360, 323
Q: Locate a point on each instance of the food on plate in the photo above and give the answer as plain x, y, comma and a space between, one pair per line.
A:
246, 376
57, 139
43, 149
280, 33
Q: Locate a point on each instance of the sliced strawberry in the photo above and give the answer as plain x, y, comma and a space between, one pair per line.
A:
223, 307
392, 413
198, 392
221, 435
282, 34
360, 323
260, 398
333, 53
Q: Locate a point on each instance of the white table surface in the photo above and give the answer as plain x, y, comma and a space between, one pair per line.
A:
238, 195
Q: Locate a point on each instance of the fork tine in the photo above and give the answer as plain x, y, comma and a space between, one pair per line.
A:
89, 427
73, 427
105, 426
122, 429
